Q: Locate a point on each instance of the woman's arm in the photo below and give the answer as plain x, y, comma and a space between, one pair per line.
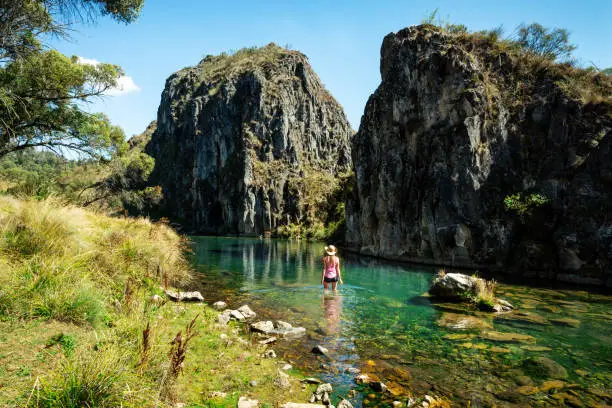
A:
323, 273
338, 270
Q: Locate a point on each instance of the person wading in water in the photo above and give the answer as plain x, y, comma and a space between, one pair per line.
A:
331, 268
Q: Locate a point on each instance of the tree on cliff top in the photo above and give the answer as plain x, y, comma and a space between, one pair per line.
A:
42, 91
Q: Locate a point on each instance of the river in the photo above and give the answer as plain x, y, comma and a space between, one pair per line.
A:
555, 350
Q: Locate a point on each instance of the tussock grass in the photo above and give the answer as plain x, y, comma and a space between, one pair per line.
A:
78, 327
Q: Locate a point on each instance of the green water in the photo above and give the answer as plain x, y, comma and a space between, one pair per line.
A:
379, 323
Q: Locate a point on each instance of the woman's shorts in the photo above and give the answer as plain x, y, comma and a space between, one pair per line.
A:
330, 280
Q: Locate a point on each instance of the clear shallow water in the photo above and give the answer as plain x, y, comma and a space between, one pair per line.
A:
380, 323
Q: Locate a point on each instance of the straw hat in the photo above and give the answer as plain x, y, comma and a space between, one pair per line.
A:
330, 250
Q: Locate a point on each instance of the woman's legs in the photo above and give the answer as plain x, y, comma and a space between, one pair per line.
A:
334, 285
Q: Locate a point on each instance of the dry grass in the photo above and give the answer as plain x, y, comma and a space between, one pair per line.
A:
75, 296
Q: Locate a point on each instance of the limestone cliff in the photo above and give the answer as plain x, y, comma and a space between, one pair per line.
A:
462, 123
238, 134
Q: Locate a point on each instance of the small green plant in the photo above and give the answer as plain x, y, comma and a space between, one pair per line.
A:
523, 205
66, 341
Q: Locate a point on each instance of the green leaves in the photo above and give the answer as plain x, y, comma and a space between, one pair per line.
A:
42, 91
39, 105
523, 205
552, 44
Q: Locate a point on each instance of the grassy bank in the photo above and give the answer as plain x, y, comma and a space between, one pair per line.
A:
80, 327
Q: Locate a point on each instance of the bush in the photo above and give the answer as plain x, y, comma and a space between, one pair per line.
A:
552, 44
84, 382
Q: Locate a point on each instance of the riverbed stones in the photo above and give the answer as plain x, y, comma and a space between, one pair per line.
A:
544, 367
219, 305
566, 321
321, 394
286, 330
267, 341
457, 321
524, 317
551, 385
245, 402
536, 348
184, 296
299, 405
378, 386
246, 312
507, 337
320, 350
236, 315
262, 327
344, 404
225, 317
527, 390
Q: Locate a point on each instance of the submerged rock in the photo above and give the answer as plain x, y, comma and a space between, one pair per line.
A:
462, 322
566, 322
507, 337
544, 367
320, 350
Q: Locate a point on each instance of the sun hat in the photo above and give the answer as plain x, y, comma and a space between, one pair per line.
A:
330, 250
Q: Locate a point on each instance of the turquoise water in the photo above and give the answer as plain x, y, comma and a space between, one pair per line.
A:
380, 323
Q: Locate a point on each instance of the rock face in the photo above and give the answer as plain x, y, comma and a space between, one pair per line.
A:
238, 137
459, 124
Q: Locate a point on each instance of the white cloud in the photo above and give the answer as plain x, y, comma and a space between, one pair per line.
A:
87, 61
125, 84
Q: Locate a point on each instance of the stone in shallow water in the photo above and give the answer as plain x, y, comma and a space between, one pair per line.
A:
523, 317
544, 367
527, 389
551, 385
246, 312
500, 350
262, 327
536, 348
566, 322
508, 337
458, 336
457, 321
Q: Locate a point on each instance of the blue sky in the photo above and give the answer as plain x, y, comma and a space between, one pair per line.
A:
341, 38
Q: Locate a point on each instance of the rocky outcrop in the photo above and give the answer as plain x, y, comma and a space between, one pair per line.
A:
240, 137
473, 154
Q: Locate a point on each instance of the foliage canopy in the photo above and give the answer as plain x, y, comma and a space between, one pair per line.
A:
42, 91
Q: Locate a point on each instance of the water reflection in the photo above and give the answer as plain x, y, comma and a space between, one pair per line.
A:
379, 311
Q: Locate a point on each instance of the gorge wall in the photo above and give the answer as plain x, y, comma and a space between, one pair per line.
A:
459, 124
238, 135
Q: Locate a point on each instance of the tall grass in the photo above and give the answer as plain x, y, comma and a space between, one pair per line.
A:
66, 264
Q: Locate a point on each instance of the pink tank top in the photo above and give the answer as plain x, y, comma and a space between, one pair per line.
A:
330, 268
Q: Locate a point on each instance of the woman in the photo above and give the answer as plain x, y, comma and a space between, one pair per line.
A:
331, 268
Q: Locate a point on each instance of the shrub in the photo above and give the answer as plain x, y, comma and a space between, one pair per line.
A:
84, 382
551, 44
